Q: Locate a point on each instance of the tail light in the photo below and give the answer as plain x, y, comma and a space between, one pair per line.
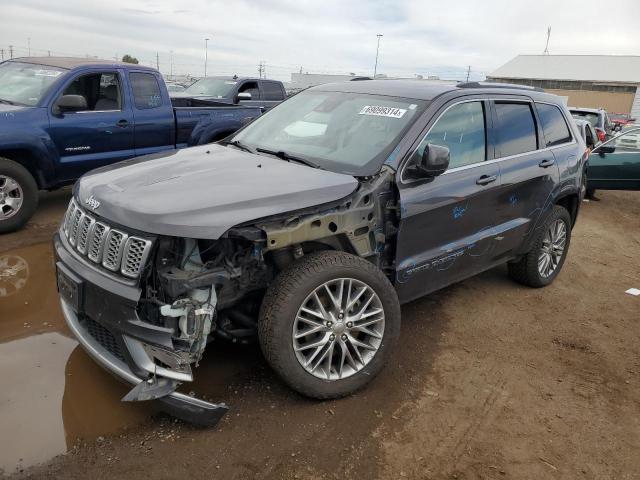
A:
601, 135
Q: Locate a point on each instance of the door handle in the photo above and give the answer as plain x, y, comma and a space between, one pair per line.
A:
546, 163
122, 123
486, 179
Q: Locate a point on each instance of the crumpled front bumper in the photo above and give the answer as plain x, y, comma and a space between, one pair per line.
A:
126, 359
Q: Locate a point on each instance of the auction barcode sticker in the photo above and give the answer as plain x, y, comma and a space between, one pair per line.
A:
383, 111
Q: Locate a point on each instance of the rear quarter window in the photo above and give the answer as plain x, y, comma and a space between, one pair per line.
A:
272, 91
555, 128
146, 90
516, 128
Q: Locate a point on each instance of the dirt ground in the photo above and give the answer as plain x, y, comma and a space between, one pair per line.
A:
490, 380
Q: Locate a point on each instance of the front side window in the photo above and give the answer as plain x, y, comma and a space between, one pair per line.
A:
146, 91
554, 126
350, 133
101, 91
26, 83
462, 130
516, 128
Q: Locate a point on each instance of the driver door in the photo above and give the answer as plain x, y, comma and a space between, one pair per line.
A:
615, 165
446, 221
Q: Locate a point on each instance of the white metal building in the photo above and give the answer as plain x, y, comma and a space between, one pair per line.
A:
607, 81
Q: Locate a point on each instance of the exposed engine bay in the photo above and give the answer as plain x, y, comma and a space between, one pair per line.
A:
203, 289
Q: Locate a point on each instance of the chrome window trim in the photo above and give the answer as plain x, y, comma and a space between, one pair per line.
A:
404, 181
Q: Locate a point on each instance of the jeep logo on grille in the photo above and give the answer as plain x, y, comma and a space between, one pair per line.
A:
92, 203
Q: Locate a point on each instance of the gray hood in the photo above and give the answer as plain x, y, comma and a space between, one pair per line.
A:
203, 191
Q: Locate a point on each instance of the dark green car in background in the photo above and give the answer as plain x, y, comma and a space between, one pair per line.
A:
615, 164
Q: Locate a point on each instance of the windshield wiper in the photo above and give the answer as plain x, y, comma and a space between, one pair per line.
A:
8, 102
288, 157
240, 145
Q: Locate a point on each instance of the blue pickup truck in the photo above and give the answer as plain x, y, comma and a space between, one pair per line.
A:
61, 117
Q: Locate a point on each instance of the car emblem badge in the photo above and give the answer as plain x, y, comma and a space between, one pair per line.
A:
92, 203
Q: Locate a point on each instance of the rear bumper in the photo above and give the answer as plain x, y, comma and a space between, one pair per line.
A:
114, 315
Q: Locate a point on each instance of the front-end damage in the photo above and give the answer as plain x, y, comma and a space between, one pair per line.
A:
198, 290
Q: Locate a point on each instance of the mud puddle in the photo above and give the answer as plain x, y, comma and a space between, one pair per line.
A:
52, 392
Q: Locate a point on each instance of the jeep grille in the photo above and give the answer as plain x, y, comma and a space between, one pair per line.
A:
112, 248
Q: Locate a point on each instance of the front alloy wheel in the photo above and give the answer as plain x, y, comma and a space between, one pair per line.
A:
338, 329
328, 323
11, 197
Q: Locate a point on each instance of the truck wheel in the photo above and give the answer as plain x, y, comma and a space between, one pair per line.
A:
18, 195
328, 323
541, 265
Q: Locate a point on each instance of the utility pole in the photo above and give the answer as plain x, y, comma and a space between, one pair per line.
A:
171, 63
10, 51
546, 48
468, 72
48, 53
262, 69
157, 61
206, 55
375, 69
29, 45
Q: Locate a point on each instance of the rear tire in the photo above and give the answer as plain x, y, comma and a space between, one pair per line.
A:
542, 264
18, 195
289, 347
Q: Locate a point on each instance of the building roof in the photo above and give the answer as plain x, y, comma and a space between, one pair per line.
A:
73, 62
594, 68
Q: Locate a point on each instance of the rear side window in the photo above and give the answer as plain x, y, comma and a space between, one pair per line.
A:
516, 128
461, 129
554, 126
146, 91
272, 91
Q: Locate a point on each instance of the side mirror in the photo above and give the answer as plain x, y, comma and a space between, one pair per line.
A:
70, 103
243, 96
602, 149
617, 127
434, 162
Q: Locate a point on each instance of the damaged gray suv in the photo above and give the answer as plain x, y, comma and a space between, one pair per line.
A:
307, 229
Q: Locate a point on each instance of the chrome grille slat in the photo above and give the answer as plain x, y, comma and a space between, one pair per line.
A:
135, 252
112, 248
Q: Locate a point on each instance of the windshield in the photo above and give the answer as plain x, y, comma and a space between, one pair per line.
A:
212, 87
590, 117
344, 132
26, 83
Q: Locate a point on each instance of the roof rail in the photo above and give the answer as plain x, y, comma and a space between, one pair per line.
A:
512, 86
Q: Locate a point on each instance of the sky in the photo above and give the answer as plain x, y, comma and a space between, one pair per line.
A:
330, 36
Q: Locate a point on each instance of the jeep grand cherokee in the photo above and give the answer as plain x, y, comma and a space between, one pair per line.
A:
309, 228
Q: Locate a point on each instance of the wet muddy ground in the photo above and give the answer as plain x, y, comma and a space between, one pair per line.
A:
489, 380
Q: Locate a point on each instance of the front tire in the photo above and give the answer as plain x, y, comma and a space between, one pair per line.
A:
18, 195
328, 323
542, 264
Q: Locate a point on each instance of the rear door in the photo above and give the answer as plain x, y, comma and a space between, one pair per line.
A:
445, 228
615, 165
528, 168
101, 133
154, 119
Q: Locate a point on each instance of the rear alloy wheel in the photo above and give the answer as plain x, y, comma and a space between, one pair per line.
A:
540, 266
328, 322
18, 195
